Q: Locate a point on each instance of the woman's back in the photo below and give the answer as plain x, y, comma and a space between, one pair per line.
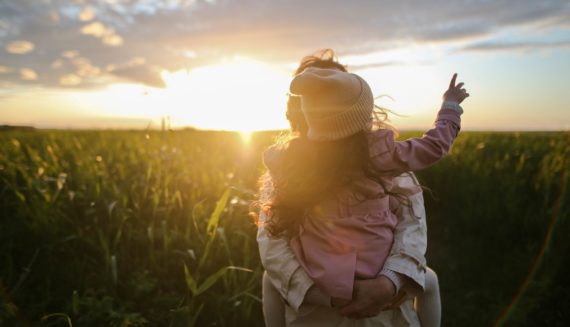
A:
345, 235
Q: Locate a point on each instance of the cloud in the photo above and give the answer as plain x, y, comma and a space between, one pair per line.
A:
5, 70
70, 80
106, 34
70, 54
87, 14
520, 46
136, 61
84, 68
27, 74
96, 29
19, 47
50, 35
146, 74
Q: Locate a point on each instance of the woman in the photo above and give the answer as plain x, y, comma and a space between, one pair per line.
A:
405, 267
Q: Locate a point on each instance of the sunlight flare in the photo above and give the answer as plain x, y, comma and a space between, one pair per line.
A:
245, 136
238, 94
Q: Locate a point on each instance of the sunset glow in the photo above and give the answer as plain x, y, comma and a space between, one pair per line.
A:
246, 136
237, 94
227, 65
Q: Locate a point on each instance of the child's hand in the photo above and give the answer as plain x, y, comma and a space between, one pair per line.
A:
455, 93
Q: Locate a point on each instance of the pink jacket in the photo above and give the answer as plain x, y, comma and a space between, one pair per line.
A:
346, 238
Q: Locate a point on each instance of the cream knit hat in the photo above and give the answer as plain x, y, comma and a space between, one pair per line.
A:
335, 104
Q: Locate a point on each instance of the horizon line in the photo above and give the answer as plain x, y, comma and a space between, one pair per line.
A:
9, 127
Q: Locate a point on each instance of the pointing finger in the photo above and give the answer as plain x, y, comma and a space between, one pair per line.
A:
452, 83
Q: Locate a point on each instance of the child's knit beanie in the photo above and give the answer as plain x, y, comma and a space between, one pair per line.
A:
335, 104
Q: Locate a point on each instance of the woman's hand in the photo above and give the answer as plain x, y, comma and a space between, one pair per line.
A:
370, 297
455, 93
338, 302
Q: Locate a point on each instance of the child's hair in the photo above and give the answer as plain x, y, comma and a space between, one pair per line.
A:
309, 171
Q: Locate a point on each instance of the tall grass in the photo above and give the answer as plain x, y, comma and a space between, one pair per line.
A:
127, 228
497, 232
134, 228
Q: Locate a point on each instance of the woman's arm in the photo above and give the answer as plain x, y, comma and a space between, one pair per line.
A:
407, 256
283, 269
294, 285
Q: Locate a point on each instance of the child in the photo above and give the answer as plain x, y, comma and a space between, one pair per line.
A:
335, 185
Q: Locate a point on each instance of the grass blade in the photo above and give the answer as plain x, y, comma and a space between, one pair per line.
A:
212, 279
215, 217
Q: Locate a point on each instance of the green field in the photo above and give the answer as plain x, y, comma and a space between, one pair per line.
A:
135, 228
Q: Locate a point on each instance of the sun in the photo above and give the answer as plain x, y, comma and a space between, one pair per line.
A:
238, 94
246, 136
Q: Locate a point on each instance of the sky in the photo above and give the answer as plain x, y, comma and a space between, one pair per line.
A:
227, 64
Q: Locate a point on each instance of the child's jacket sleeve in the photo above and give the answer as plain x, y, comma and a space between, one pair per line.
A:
394, 158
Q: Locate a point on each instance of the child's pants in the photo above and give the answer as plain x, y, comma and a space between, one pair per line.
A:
428, 304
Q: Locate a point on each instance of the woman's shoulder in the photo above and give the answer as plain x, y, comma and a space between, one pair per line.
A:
407, 183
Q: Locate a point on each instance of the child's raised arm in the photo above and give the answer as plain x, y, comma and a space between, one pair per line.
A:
394, 158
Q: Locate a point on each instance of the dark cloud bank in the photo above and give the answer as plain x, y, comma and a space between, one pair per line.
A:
66, 43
